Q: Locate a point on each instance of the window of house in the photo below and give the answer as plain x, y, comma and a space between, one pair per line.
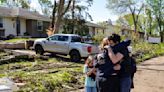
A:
1, 22
40, 25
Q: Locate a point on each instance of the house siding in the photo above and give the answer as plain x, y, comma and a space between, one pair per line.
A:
31, 26
9, 25
112, 29
92, 31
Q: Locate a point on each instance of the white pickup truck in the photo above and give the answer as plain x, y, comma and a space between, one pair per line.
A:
65, 44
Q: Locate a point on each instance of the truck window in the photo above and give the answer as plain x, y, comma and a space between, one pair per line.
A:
53, 38
62, 38
76, 39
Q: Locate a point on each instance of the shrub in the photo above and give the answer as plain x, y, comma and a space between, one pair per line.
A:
10, 36
143, 50
98, 38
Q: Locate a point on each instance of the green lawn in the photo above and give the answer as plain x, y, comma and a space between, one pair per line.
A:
45, 76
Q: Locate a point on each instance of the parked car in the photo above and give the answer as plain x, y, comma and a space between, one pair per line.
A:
65, 44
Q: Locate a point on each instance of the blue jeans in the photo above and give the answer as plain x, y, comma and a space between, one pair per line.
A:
90, 89
110, 84
125, 84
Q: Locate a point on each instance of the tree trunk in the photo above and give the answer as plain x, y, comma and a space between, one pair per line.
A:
53, 14
73, 15
58, 14
162, 36
134, 21
57, 25
150, 26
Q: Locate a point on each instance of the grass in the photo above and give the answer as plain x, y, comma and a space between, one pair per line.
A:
146, 51
44, 76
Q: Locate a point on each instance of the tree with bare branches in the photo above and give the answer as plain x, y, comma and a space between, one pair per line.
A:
60, 8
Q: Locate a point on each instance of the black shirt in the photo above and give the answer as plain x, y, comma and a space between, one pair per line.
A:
104, 70
125, 62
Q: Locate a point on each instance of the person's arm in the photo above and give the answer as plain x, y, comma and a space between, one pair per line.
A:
94, 71
114, 57
88, 72
91, 71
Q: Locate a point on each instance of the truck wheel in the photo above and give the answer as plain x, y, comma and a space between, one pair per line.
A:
39, 49
75, 56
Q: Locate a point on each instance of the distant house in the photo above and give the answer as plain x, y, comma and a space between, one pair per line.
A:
95, 29
122, 30
130, 32
21, 22
108, 29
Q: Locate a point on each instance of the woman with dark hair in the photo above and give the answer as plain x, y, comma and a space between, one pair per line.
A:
119, 53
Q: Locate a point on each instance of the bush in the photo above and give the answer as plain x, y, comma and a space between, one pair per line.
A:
10, 36
143, 50
98, 38
26, 34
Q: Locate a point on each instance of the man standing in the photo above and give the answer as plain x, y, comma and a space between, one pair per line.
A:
119, 54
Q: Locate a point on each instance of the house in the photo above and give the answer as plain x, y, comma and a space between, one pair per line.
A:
108, 29
21, 22
129, 32
95, 29
91, 28
122, 30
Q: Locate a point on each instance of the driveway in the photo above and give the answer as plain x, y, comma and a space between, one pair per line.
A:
150, 76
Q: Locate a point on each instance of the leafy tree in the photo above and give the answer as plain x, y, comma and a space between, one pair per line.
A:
16, 3
150, 20
124, 6
2, 1
22, 3
157, 9
61, 7
77, 15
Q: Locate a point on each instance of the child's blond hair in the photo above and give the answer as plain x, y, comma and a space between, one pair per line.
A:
89, 60
104, 43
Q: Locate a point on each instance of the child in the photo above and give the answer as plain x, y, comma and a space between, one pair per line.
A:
90, 74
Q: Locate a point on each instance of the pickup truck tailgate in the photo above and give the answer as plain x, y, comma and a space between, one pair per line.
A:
95, 49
